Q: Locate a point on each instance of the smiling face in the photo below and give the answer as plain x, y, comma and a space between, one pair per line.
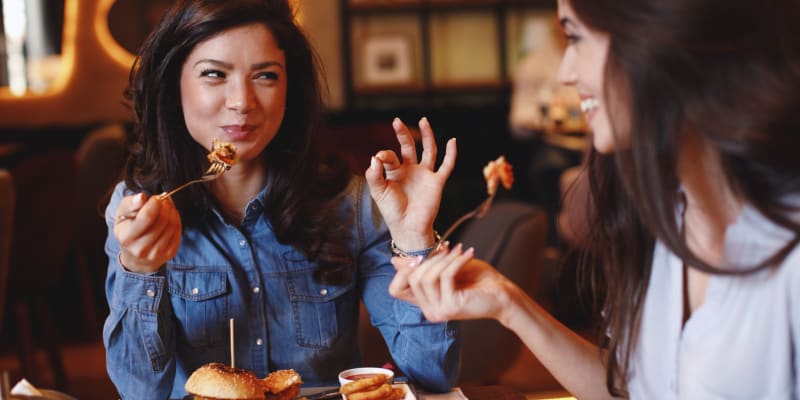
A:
583, 66
233, 88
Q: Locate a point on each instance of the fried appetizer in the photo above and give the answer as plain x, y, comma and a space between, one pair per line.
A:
498, 170
223, 152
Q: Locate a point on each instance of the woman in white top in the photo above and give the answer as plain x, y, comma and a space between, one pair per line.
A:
695, 191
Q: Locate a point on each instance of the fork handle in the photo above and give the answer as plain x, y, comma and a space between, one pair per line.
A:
163, 196
477, 212
452, 229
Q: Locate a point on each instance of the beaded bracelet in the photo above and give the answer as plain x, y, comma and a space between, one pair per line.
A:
398, 252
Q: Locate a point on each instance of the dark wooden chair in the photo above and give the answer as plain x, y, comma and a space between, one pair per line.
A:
99, 161
512, 237
42, 229
7, 198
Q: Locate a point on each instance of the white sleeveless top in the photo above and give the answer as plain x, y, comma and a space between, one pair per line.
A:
743, 342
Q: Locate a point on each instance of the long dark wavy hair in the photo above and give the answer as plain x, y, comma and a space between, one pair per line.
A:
304, 200
727, 72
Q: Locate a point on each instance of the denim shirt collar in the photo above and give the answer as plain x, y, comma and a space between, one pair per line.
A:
254, 208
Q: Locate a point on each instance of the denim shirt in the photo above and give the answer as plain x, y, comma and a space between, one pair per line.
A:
164, 325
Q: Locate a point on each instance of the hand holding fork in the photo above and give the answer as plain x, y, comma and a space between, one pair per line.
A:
214, 171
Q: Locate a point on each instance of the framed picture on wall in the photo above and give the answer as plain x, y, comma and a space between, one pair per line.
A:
387, 60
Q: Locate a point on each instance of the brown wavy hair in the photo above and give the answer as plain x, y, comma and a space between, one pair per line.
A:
305, 194
728, 72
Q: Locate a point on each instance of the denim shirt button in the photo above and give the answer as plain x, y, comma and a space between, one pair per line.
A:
259, 342
323, 292
256, 289
242, 243
151, 293
195, 290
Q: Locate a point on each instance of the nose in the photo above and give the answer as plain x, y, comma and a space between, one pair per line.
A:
240, 97
566, 70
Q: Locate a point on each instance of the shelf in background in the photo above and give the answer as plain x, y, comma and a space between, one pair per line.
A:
416, 5
431, 53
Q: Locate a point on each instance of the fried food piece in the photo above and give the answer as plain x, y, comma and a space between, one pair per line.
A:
498, 170
278, 381
383, 392
397, 394
223, 152
362, 385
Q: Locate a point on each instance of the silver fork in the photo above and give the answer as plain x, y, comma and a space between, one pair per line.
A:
213, 172
478, 212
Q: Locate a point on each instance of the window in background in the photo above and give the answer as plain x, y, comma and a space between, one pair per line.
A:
30, 45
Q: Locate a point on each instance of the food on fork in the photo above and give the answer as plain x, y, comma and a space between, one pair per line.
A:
498, 170
218, 381
223, 152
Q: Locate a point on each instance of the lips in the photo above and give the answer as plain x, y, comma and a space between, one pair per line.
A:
238, 132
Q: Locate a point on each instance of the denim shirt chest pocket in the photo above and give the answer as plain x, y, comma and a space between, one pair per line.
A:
322, 312
200, 304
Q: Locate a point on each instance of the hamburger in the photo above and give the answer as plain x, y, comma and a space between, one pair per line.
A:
215, 381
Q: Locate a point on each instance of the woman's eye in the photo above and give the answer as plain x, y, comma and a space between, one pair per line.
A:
572, 38
212, 73
268, 75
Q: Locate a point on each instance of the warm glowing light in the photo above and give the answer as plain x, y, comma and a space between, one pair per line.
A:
298, 11
68, 39
14, 22
107, 42
14, 18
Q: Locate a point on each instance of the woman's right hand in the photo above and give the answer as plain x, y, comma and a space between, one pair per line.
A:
408, 191
452, 285
151, 238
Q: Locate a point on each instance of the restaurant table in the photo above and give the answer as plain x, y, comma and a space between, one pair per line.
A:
475, 392
495, 392
501, 392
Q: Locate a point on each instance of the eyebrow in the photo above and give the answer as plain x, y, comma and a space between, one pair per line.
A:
260, 65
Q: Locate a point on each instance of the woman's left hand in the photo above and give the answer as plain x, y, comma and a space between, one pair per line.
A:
409, 193
452, 285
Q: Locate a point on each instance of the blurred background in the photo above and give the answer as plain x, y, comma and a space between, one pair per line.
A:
482, 71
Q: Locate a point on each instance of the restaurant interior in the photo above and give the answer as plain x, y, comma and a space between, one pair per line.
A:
480, 70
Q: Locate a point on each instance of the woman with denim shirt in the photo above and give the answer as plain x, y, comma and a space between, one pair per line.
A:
282, 243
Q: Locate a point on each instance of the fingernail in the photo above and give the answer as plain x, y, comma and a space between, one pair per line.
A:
470, 251
423, 120
416, 261
373, 162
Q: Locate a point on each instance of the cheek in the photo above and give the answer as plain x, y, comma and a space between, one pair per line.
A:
195, 101
602, 136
